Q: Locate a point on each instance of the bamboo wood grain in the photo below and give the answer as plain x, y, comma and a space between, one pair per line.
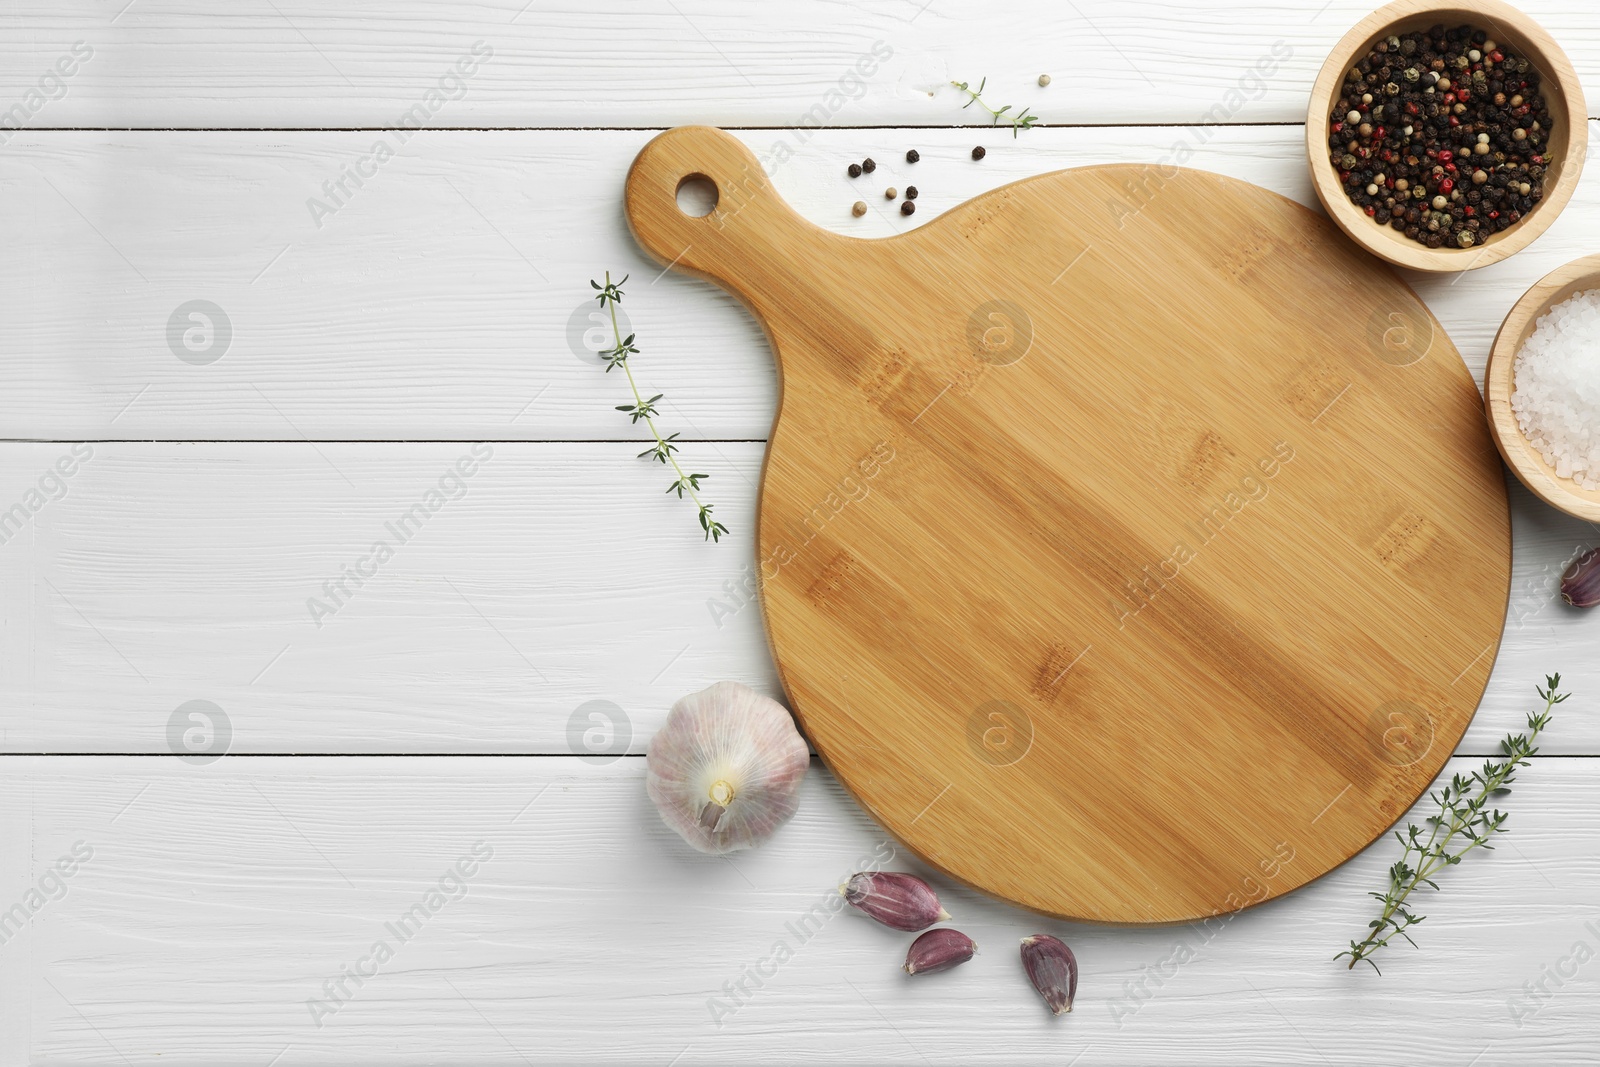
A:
1104, 523
1499, 382
1566, 151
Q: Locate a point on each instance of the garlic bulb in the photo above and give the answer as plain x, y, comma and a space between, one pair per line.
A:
725, 769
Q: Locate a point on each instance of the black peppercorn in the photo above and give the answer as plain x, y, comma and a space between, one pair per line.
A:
854, 170
868, 165
913, 155
907, 207
911, 192
978, 153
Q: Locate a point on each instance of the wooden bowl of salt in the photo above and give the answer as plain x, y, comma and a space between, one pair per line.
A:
1547, 480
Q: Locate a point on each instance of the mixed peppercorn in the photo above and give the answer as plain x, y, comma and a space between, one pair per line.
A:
1442, 135
867, 166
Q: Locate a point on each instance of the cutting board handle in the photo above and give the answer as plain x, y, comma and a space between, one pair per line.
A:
751, 240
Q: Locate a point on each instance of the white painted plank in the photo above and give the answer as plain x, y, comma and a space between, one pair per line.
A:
304, 64
563, 574
435, 303
219, 899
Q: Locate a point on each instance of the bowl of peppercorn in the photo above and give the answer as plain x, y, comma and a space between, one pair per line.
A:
1445, 138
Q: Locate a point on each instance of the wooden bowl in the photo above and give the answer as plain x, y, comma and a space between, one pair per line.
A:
1577, 276
1565, 154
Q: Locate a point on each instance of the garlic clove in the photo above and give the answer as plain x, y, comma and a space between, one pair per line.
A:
1580, 584
902, 901
725, 769
939, 950
1053, 970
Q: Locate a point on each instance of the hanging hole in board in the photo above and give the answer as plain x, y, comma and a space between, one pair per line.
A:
697, 195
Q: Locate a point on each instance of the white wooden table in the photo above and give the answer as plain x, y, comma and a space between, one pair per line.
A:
359, 350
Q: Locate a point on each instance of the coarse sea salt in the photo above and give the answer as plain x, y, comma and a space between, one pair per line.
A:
1557, 395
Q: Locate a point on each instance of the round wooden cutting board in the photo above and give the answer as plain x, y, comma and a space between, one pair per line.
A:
1133, 547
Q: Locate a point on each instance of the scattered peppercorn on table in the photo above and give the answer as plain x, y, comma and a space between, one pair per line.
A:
338, 609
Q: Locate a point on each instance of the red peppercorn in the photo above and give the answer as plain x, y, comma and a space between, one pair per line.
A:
1380, 133
1450, 98
1454, 121
1371, 210
1494, 214
1497, 56
1446, 156
1338, 127
1447, 187
1463, 95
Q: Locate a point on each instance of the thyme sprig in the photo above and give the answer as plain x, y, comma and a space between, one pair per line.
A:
1464, 822
1020, 121
642, 408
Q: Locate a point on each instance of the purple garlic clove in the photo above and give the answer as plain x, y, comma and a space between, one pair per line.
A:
1052, 969
902, 901
1580, 585
939, 950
